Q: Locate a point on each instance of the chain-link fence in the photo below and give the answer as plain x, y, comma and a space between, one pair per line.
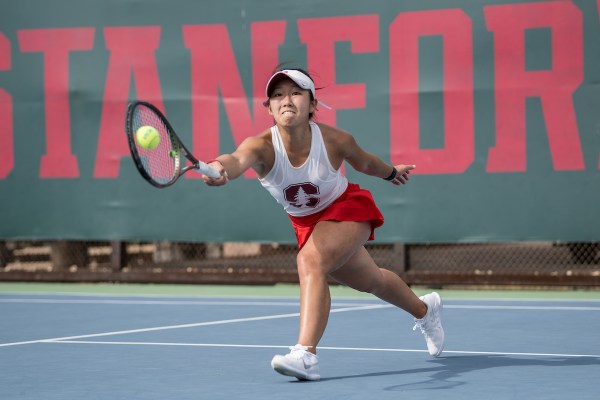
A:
535, 263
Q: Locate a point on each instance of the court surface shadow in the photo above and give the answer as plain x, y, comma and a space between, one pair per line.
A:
448, 372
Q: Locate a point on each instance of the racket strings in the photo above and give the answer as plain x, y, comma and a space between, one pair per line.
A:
162, 162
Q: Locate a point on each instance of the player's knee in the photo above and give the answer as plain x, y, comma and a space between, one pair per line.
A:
310, 263
366, 287
375, 285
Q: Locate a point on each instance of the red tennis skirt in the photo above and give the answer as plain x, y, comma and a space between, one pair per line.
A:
355, 204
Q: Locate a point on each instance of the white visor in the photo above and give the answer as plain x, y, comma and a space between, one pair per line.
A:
300, 79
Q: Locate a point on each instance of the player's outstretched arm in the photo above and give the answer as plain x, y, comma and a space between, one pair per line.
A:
233, 165
370, 164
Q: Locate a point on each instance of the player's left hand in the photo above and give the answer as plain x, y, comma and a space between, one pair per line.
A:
403, 174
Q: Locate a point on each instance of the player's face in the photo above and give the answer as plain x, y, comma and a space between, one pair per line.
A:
289, 105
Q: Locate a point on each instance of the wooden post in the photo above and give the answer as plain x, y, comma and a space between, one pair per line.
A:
400, 263
5, 255
118, 256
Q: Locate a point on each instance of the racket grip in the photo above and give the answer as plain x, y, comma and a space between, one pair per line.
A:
207, 170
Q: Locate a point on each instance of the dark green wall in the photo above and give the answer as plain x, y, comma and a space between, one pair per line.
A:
496, 102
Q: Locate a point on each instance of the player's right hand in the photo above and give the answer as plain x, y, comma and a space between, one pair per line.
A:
220, 181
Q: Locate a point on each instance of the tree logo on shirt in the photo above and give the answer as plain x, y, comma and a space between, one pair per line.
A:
302, 195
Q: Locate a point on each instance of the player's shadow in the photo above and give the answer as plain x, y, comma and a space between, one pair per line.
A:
451, 371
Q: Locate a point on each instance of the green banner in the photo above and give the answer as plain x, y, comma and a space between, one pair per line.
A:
496, 102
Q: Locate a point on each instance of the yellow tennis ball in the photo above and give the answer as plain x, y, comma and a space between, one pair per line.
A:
147, 137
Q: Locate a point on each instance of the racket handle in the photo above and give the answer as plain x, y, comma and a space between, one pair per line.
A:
207, 170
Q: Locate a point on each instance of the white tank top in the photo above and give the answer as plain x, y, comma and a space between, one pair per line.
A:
309, 188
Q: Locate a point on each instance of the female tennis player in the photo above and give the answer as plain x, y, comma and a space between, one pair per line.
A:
298, 161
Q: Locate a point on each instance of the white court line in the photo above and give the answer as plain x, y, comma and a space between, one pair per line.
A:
171, 302
270, 303
527, 308
281, 297
162, 328
495, 353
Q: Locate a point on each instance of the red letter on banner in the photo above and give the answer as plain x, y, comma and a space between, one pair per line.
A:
459, 150
7, 157
56, 44
320, 36
555, 87
131, 52
214, 71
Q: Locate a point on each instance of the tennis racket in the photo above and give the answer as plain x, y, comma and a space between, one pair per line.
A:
164, 162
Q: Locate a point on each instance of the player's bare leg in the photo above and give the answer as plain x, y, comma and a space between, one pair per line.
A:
361, 273
329, 247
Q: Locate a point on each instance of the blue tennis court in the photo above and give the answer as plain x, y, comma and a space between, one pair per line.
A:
117, 346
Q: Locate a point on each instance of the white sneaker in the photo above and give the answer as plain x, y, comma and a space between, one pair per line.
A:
299, 363
431, 324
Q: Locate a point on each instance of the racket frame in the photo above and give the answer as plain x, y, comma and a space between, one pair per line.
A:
177, 146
